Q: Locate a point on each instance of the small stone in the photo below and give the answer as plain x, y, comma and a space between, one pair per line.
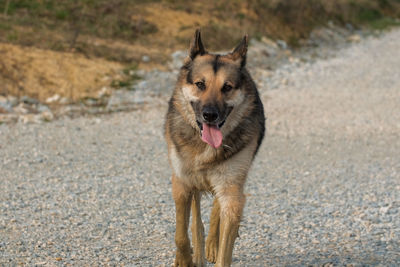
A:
47, 115
21, 109
29, 100
384, 210
145, 58
91, 102
30, 118
355, 38
42, 108
5, 105
12, 100
103, 92
349, 27
53, 98
282, 44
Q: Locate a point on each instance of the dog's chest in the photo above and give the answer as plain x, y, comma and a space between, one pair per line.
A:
194, 169
206, 171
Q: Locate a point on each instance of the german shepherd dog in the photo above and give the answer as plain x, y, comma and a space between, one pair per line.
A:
214, 127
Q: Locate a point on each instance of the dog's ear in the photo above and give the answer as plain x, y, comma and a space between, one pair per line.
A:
196, 46
239, 53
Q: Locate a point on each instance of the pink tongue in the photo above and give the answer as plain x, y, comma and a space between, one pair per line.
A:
211, 135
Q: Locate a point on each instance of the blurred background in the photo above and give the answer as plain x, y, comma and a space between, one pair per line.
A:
72, 50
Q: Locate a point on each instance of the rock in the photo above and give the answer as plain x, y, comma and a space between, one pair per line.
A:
355, 38
12, 100
145, 58
349, 27
29, 100
47, 115
30, 118
53, 98
282, 44
91, 102
5, 106
21, 109
42, 108
103, 92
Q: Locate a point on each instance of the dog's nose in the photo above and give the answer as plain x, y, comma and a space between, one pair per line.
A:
210, 114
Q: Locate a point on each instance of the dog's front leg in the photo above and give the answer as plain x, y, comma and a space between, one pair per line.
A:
213, 233
232, 201
183, 197
197, 231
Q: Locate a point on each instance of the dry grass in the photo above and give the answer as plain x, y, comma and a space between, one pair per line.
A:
42, 73
165, 25
125, 30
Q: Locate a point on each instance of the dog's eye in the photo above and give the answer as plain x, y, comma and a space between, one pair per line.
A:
226, 88
201, 85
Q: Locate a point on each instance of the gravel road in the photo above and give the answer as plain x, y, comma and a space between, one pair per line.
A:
324, 188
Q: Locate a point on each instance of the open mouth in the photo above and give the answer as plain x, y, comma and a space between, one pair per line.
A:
201, 125
211, 134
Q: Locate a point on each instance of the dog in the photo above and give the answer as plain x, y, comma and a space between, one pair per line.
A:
214, 127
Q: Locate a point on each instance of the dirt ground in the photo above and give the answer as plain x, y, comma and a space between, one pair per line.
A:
44, 73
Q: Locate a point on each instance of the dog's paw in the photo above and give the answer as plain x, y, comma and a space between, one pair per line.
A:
183, 260
199, 260
211, 250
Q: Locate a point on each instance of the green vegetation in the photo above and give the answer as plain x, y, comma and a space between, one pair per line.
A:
101, 18
129, 80
383, 23
4, 26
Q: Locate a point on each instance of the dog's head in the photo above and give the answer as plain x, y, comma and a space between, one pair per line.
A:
212, 84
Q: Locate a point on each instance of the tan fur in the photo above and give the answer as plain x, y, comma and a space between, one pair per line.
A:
182, 198
198, 166
197, 231
212, 242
